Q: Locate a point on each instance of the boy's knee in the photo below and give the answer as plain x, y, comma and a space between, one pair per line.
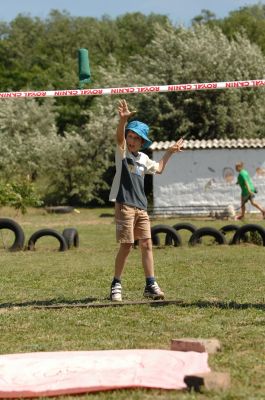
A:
126, 247
146, 244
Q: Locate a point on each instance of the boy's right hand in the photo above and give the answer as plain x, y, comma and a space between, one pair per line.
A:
124, 112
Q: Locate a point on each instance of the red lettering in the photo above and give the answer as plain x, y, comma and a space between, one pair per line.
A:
181, 88
122, 90
72, 92
236, 84
90, 92
34, 94
60, 93
259, 83
13, 94
201, 86
148, 89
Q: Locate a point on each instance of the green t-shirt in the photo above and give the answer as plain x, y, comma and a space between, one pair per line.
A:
243, 180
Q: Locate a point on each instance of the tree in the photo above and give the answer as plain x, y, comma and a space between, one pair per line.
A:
200, 54
250, 20
204, 17
81, 160
27, 132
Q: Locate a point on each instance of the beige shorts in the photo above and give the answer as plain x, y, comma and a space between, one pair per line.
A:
131, 224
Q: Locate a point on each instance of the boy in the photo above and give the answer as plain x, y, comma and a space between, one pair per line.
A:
132, 220
247, 190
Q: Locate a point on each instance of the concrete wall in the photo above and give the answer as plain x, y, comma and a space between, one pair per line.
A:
197, 181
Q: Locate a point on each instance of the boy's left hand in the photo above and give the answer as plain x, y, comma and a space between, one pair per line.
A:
177, 147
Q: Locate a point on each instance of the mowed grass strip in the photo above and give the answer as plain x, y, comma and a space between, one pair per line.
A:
219, 289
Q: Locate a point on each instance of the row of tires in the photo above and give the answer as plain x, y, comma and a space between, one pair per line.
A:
240, 234
68, 239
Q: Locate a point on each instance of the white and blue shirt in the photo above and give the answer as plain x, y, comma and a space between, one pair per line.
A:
128, 184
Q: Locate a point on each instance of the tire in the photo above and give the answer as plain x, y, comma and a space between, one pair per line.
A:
169, 231
155, 240
47, 232
60, 209
230, 228
241, 232
207, 231
71, 237
6, 223
180, 226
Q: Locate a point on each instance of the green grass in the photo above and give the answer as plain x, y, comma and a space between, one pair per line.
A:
220, 290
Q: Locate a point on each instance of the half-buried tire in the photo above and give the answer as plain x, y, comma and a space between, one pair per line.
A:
180, 226
18, 244
241, 232
207, 231
71, 237
171, 234
47, 232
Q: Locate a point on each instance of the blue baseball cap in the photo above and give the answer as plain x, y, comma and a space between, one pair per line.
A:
141, 130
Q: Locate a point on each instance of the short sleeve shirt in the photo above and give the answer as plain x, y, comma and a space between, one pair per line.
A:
243, 180
128, 184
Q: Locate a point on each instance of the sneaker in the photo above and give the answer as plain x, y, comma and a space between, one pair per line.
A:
154, 292
115, 292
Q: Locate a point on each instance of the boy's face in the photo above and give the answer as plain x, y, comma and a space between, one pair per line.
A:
134, 142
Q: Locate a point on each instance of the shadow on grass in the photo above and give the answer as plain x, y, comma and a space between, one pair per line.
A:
48, 303
91, 302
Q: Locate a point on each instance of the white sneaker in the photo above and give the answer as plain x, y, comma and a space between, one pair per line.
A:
115, 292
154, 292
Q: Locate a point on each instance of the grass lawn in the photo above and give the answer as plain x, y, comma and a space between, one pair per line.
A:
219, 288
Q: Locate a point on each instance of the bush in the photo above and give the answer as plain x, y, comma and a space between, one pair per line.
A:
19, 195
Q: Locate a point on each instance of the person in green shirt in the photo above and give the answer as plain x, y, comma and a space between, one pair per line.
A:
247, 190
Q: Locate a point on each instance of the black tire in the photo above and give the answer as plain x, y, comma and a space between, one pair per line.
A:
241, 232
229, 228
71, 237
169, 231
180, 226
60, 209
6, 223
207, 231
47, 232
185, 225
156, 240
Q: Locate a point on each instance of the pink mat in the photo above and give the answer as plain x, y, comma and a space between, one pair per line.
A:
51, 374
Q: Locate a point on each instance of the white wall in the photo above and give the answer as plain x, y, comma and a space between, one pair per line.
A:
194, 181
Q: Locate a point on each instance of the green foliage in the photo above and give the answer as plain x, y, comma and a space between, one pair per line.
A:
27, 132
200, 54
79, 161
66, 145
19, 195
250, 20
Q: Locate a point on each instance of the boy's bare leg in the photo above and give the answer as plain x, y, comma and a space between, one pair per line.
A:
258, 207
121, 259
147, 257
152, 290
243, 209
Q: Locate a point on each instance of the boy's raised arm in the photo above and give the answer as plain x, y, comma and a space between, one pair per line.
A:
124, 114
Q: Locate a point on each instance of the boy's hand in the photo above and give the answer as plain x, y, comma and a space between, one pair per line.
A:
177, 146
124, 112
